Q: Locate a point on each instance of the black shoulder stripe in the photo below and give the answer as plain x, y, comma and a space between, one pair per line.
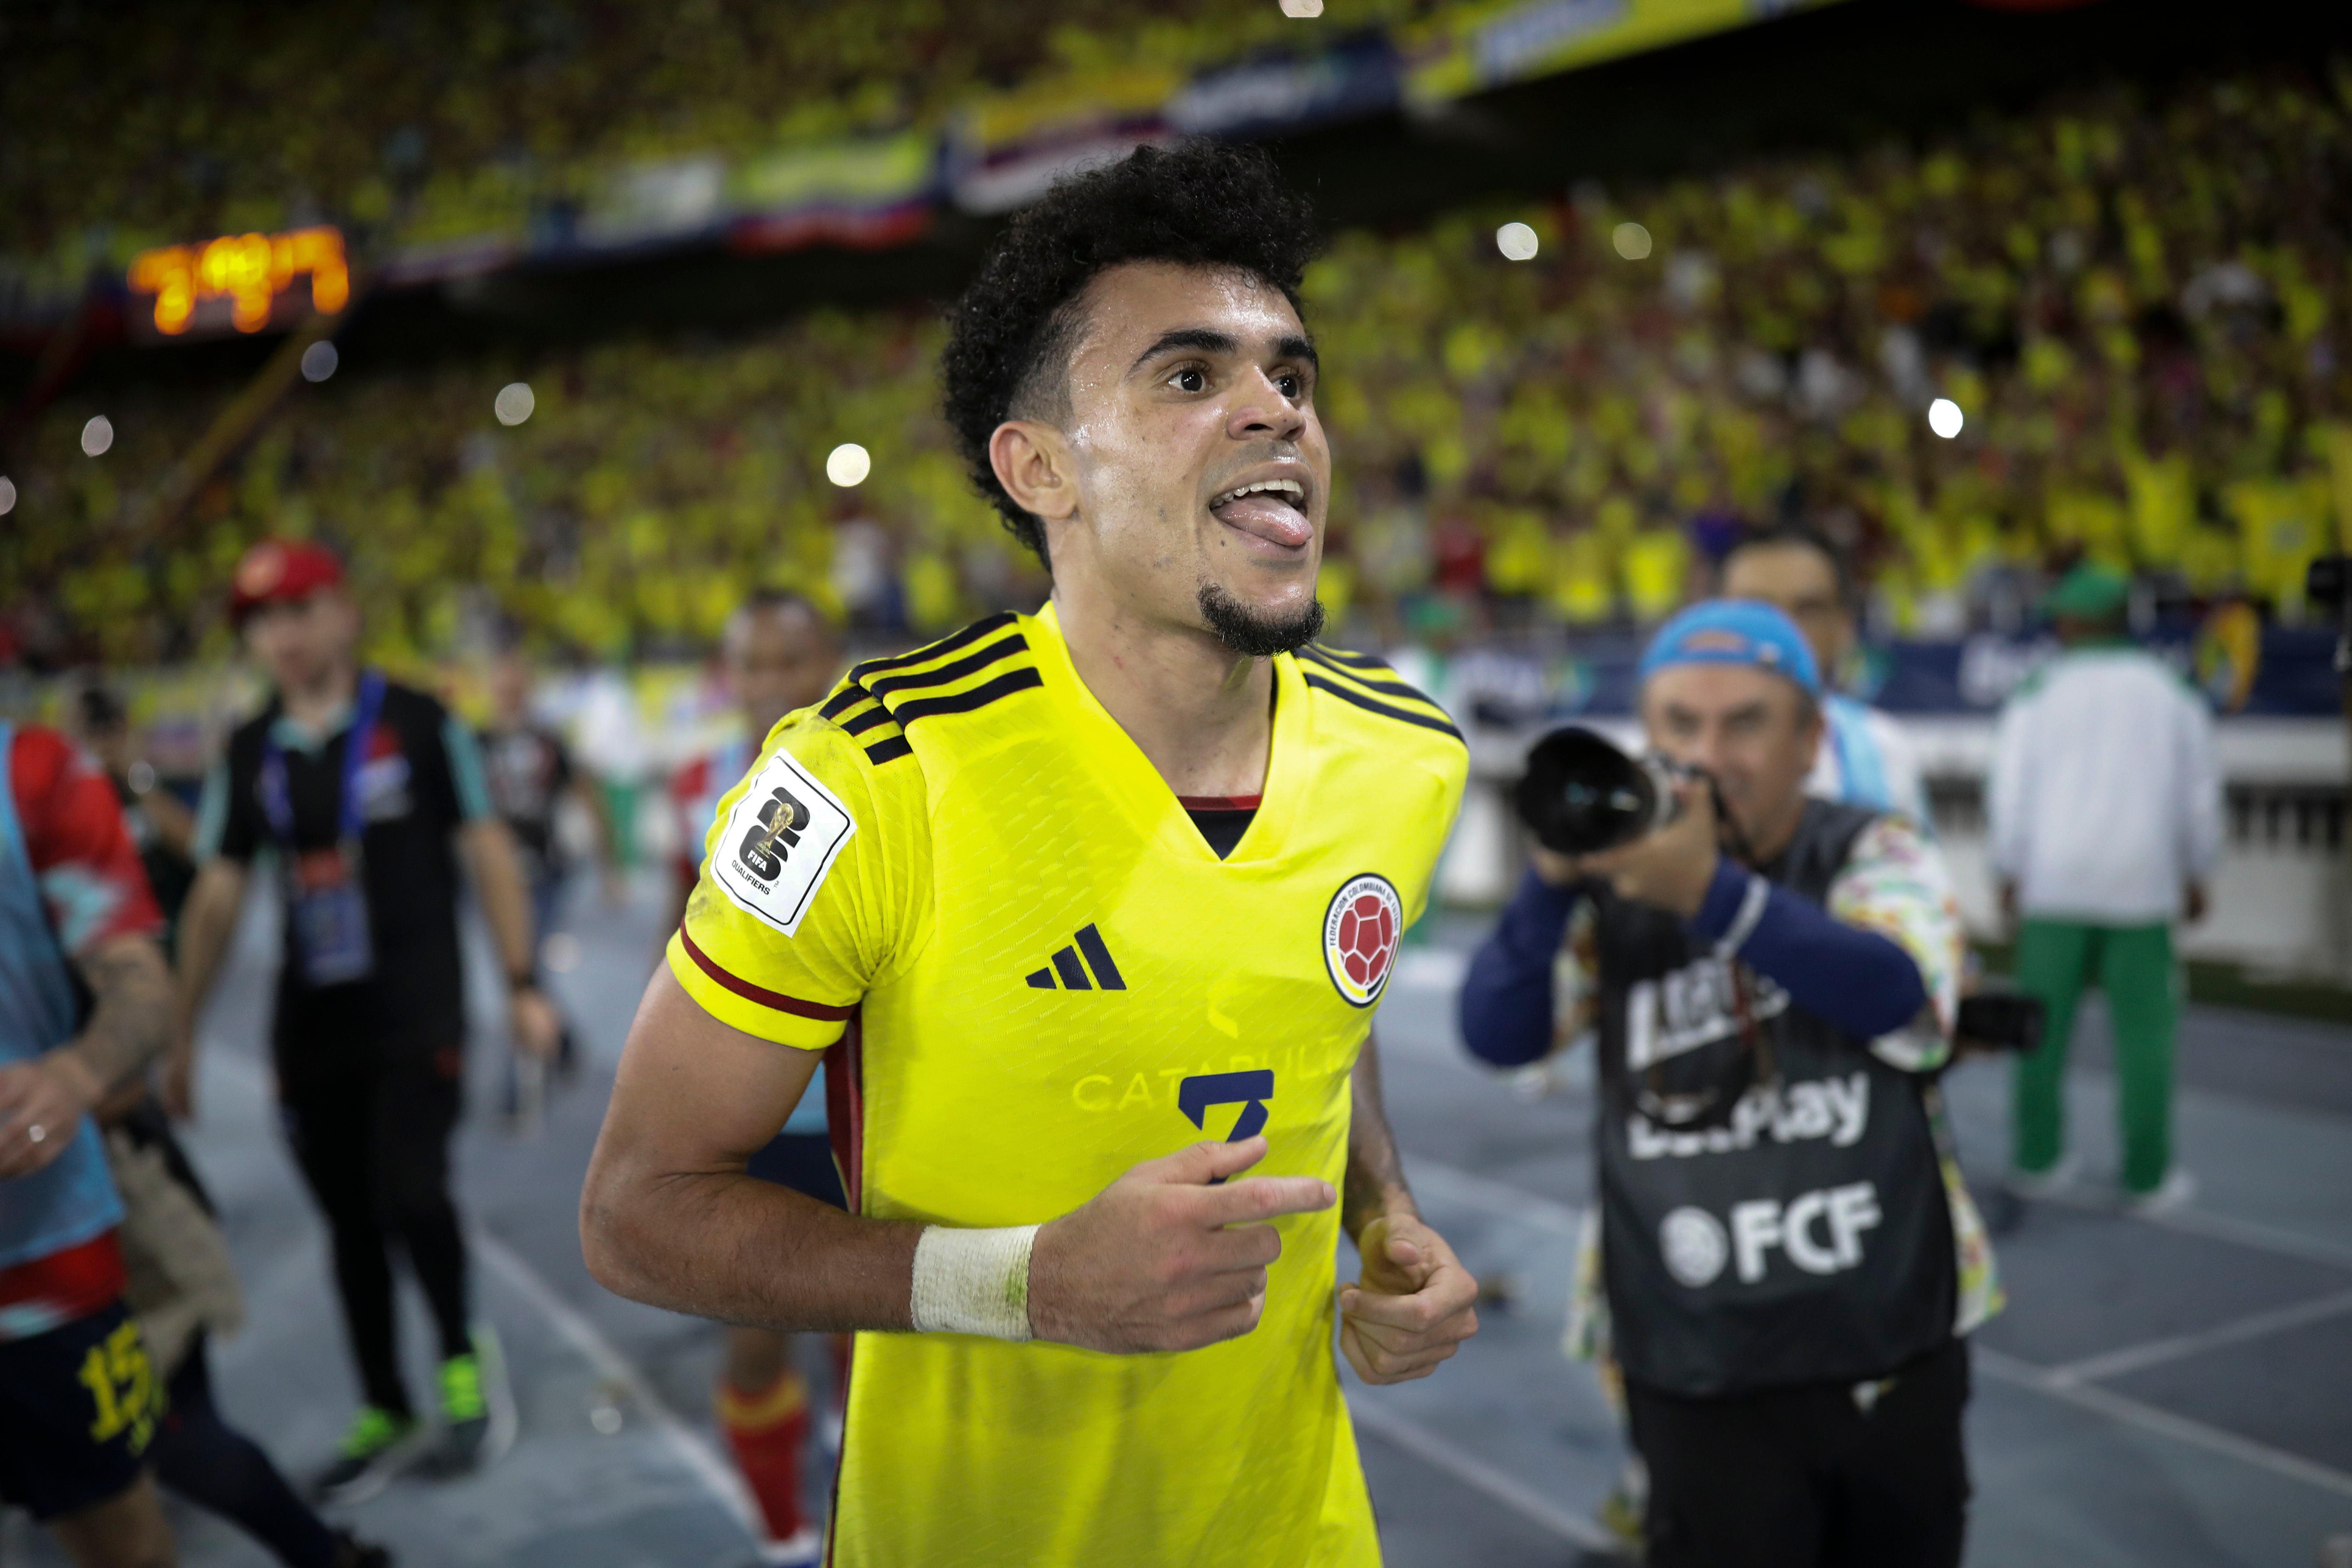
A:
842, 700
1386, 681
941, 675
1350, 695
980, 696
1347, 657
864, 721
888, 751
946, 644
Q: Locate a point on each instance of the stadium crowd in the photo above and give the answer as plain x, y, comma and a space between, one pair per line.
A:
2137, 309
266, 120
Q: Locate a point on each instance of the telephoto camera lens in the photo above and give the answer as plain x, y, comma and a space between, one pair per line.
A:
1581, 794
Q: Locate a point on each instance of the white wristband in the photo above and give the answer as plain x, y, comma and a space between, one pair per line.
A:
973, 1281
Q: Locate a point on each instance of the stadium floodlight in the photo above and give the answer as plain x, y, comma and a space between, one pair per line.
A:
320, 359
1944, 417
1302, 7
7, 495
848, 464
1516, 241
1632, 240
514, 403
97, 435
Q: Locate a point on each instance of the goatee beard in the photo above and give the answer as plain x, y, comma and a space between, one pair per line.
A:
1244, 631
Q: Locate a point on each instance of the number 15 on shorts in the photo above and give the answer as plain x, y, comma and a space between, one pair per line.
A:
122, 1383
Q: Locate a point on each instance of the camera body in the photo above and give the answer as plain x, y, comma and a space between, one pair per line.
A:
1999, 1021
1582, 794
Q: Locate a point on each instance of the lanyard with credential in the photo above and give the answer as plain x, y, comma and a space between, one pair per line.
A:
350, 818
327, 910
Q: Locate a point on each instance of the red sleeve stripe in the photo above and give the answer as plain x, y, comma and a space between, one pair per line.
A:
760, 994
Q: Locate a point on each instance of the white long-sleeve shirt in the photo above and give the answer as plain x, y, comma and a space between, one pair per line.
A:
2106, 798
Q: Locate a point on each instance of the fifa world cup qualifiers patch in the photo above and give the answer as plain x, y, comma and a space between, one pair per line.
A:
780, 841
1360, 930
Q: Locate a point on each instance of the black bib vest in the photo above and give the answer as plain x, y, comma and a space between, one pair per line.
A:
1804, 1239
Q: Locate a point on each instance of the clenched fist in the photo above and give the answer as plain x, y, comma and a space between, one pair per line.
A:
1414, 1303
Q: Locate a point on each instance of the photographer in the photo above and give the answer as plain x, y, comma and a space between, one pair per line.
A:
1787, 1254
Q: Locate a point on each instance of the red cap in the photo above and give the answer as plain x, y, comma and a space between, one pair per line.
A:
279, 570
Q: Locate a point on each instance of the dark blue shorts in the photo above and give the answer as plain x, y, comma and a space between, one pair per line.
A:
78, 1406
802, 1162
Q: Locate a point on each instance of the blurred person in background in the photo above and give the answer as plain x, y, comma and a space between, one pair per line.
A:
367, 795
85, 1003
779, 655
162, 828
180, 1281
530, 772
1786, 1258
181, 1286
1865, 758
2104, 816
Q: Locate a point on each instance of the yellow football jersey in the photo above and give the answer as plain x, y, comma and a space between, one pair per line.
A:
1038, 974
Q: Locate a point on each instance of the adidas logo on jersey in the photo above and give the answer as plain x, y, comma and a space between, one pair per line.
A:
1073, 969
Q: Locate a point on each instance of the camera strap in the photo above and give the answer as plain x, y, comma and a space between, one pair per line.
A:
1713, 1106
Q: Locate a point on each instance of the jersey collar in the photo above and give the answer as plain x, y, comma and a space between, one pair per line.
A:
1115, 758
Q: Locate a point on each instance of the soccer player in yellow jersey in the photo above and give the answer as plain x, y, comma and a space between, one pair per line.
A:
1053, 899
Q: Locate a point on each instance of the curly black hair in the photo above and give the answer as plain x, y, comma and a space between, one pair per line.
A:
1198, 204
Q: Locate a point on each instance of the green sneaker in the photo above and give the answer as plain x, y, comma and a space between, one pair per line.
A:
378, 1447
461, 1391
477, 1409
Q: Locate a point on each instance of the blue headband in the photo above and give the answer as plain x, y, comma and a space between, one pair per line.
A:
1734, 631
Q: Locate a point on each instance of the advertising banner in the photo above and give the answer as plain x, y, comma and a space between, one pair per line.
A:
1005, 150
862, 194
1272, 95
1471, 47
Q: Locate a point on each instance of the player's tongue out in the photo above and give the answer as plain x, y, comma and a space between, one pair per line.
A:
1272, 511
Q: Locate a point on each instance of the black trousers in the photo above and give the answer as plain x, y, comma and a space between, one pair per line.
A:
370, 1126
1806, 1478
219, 1468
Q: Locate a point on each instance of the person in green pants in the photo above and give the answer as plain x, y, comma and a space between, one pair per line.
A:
2104, 810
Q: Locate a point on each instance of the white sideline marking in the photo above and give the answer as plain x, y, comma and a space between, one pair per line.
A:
2149, 1418
2066, 1383
1443, 1181
2155, 1353
2254, 1234
690, 1447
1478, 1475
685, 1444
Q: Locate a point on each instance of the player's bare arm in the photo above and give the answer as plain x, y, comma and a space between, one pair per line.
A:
43, 1099
207, 920
487, 847
1415, 1302
1160, 1261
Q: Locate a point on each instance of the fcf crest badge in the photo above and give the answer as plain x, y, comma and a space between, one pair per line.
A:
1361, 931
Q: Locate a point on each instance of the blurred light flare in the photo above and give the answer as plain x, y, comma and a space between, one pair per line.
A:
848, 464
7, 495
1632, 240
1516, 241
1302, 8
250, 269
1944, 417
97, 435
514, 403
320, 359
